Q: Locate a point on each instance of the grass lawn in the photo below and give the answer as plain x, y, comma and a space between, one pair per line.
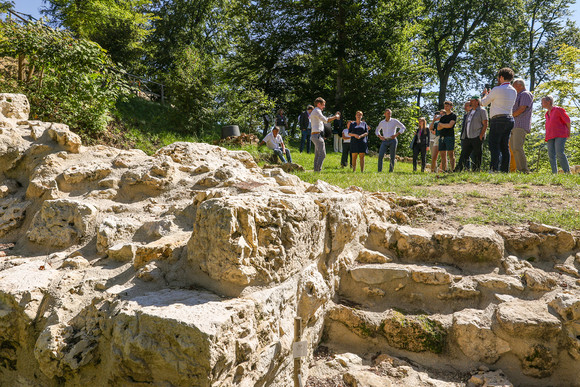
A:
481, 198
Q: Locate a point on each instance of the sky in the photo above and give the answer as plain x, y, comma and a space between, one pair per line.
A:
32, 7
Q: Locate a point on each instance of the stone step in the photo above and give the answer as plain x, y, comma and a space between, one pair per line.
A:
534, 342
437, 289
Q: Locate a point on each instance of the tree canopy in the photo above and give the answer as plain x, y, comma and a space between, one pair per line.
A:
232, 61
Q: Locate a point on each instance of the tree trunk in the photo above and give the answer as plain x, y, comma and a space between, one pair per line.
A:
419, 96
21, 67
30, 73
532, 75
341, 58
40, 77
443, 82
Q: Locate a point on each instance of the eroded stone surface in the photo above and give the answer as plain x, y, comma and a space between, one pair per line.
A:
190, 266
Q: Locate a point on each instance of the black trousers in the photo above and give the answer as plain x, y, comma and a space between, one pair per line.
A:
470, 147
345, 153
419, 148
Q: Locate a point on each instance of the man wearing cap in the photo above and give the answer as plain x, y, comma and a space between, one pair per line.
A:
274, 141
472, 135
501, 98
522, 112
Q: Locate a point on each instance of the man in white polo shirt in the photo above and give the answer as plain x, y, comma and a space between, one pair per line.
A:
501, 98
389, 135
317, 121
274, 141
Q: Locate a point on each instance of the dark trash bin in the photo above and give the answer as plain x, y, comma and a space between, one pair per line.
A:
230, 130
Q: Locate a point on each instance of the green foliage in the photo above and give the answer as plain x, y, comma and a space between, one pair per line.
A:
120, 27
5, 5
67, 80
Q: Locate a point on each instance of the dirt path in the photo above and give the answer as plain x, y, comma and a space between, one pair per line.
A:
502, 205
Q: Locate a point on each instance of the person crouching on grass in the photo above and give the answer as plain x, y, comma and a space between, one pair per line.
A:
273, 140
358, 131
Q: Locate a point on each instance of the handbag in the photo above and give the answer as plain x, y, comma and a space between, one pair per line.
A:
327, 132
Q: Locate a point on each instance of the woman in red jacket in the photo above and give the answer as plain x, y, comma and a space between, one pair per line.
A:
557, 131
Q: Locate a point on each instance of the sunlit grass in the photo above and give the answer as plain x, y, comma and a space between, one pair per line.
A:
510, 209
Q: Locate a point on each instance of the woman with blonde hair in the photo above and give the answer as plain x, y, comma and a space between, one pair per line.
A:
358, 131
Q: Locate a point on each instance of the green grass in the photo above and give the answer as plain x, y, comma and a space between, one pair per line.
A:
148, 125
510, 209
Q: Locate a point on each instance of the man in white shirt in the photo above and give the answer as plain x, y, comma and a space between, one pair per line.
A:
274, 141
317, 121
387, 132
501, 123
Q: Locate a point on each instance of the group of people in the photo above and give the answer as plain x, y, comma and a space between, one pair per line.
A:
509, 123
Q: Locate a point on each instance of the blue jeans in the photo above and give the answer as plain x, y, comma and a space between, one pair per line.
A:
556, 150
279, 153
305, 139
499, 137
390, 144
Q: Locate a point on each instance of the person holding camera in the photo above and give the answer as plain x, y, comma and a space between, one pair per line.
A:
502, 99
317, 121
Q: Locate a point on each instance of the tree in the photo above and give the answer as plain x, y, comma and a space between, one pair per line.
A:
120, 26
451, 26
545, 31
67, 79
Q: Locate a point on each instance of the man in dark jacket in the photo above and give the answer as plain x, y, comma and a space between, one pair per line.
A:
304, 121
472, 135
420, 144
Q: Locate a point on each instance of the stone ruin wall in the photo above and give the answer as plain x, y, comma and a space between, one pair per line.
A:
188, 267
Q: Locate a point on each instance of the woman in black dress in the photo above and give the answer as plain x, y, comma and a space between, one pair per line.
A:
358, 131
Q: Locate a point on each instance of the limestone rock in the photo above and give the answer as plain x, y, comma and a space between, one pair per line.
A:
539, 361
255, 240
477, 243
413, 242
12, 215
75, 263
538, 241
62, 223
538, 280
161, 249
70, 141
529, 319
364, 379
370, 256
414, 333
13, 108
114, 230
122, 252
473, 334
489, 378
12, 149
